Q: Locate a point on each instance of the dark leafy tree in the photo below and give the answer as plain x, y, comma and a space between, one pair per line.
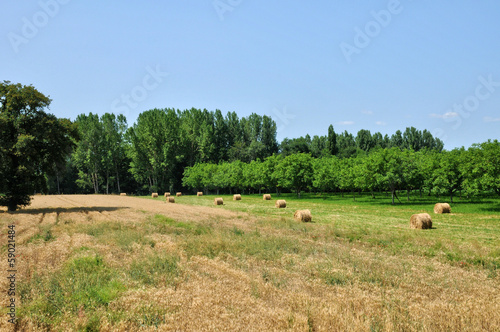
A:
332, 141
33, 143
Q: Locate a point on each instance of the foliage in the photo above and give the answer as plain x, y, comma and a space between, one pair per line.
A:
32, 143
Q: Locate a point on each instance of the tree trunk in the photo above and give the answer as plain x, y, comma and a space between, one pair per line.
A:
393, 196
95, 182
11, 205
57, 179
118, 182
408, 195
451, 196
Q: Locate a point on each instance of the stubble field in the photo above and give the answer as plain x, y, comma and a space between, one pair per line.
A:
111, 263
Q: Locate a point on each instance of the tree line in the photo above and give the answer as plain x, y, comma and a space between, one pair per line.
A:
102, 154
470, 172
153, 154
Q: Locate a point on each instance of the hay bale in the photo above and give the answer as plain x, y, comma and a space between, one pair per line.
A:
237, 197
123, 194
280, 203
218, 201
154, 195
421, 221
170, 199
166, 194
267, 197
303, 215
179, 194
442, 208
199, 193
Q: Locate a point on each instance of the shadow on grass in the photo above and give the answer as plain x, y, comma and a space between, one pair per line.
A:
83, 209
495, 208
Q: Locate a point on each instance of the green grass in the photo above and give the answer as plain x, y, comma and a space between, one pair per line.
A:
121, 234
83, 284
469, 236
155, 270
44, 234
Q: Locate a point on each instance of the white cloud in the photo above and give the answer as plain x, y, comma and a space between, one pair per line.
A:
381, 123
490, 119
447, 115
346, 123
367, 112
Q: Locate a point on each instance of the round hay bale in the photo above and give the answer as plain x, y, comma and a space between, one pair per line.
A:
303, 215
421, 221
199, 193
154, 195
280, 204
218, 201
123, 194
179, 194
267, 197
442, 208
166, 194
170, 199
237, 197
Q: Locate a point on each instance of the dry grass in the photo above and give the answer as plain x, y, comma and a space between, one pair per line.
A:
193, 268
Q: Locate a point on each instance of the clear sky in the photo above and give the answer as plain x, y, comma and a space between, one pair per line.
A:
377, 65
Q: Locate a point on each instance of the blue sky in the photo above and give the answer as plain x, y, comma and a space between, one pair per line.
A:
377, 65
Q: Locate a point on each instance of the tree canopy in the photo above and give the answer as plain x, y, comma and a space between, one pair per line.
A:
32, 143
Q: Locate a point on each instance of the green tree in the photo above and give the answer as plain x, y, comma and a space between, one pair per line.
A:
346, 145
295, 172
295, 145
326, 173
389, 169
319, 146
253, 175
448, 178
194, 176
32, 143
364, 140
221, 178
480, 168
332, 141
90, 155
268, 138
268, 172
397, 140
153, 149
114, 128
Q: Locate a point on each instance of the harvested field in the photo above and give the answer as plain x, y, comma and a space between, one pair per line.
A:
159, 266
